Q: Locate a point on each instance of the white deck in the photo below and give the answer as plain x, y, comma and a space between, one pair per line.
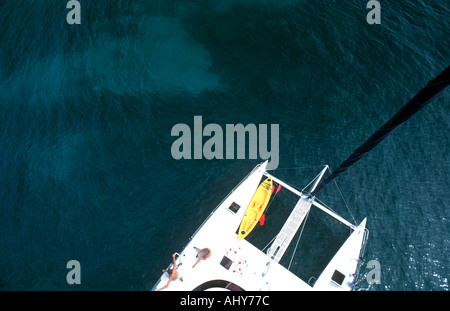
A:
257, 270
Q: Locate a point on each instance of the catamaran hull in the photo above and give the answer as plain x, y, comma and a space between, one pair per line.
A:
238, 265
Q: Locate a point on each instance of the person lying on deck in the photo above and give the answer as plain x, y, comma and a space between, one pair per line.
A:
202, 254
173, 273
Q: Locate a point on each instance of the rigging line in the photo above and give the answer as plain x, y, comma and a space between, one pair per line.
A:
295, 187
343, 199
309, 183
314, 179
298, 240
345, 202
328, 207
299, 167
269, 243
301, 190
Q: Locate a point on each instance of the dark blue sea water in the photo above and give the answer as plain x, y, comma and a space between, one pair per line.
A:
86, 113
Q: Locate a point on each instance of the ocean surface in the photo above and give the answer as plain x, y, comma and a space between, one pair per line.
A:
86, 113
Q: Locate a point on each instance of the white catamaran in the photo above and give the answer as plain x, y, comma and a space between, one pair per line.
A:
234, 264
219, 257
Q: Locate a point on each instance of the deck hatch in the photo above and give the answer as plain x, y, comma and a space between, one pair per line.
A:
226, 262
234, 207
338, 277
